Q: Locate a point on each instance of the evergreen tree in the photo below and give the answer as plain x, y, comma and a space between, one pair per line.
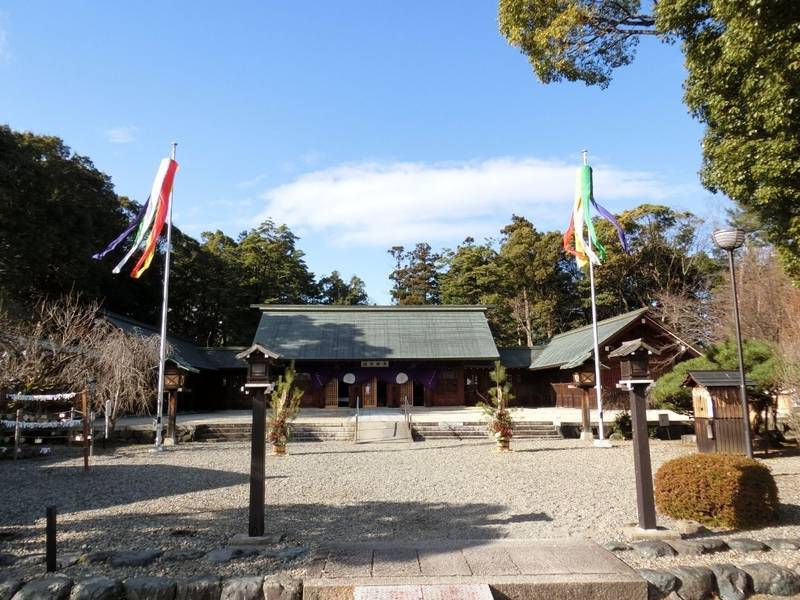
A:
416, 276
743, 82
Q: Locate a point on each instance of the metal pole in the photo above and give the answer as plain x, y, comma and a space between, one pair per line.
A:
162, 351
645, 504
748, 443
597, 384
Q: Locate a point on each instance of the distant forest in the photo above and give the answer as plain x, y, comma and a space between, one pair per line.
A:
57, 209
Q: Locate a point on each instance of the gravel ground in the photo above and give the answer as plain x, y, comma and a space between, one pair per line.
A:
195, 497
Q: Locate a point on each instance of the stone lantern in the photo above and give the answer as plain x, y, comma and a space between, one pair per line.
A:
583, 378
174, 381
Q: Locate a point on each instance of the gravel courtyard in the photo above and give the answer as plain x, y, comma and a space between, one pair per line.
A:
194, 497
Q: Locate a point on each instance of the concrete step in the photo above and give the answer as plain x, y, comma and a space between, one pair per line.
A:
553, 569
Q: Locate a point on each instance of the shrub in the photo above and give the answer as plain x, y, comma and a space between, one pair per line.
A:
717, 489
623, 425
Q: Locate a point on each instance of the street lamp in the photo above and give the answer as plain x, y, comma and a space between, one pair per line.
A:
729, 240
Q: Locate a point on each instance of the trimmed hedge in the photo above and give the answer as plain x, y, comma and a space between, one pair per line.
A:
721, 490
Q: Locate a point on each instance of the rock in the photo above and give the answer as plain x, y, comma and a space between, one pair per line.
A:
685, 527
97, 556
659, 583
711, 545
149, 588
732, 583
182, 554
203, 587
616, 546
6, 560
287, 589
134, 558
783, 544
696, 583
97, 588
9, 587
242, 539
223, 555
687, 548
772, 579
653, 549
67, 560
242, 588
55, 587
31, 560
8, 534
747, 545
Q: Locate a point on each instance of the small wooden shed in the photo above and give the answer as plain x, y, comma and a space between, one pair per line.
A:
718, 414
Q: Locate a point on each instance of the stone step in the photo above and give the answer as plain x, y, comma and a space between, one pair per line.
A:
553, 569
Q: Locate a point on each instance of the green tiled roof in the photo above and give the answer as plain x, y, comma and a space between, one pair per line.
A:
376, 332
183, 352
716, 379
519, 357
225, 357
572, 348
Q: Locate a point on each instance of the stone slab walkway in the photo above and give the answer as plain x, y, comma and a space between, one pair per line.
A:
516, 569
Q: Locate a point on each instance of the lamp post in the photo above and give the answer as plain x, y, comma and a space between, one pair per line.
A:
634, 365
258, 384
729, 240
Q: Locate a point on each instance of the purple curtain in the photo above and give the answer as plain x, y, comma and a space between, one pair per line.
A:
427, 377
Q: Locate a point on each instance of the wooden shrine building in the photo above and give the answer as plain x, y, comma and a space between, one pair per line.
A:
382, 355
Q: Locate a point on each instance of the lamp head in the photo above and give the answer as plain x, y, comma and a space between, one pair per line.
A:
729, 239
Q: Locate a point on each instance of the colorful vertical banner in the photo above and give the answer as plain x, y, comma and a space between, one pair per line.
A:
150, 221
588, 249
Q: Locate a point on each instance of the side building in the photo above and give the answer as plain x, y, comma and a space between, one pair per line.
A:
543, 375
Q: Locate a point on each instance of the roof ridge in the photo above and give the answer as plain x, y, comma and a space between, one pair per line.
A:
628, 315
370, 307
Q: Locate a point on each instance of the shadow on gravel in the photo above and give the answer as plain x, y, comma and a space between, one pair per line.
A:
71, 489
309, 525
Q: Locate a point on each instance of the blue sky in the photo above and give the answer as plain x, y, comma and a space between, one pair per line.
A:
360, 124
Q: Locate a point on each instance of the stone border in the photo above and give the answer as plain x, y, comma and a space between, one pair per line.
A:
202, 587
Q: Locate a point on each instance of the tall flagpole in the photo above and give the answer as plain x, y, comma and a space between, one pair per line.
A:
164, 310
597, 385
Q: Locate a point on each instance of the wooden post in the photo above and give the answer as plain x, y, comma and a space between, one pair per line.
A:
91, 433
586, 425
17, 433
50, 539
645, 503
172, 410
258, 450
85, 411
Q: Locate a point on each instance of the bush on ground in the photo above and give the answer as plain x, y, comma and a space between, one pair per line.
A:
721, 490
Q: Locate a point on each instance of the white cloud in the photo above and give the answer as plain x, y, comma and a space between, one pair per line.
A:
121, 135
381, 204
